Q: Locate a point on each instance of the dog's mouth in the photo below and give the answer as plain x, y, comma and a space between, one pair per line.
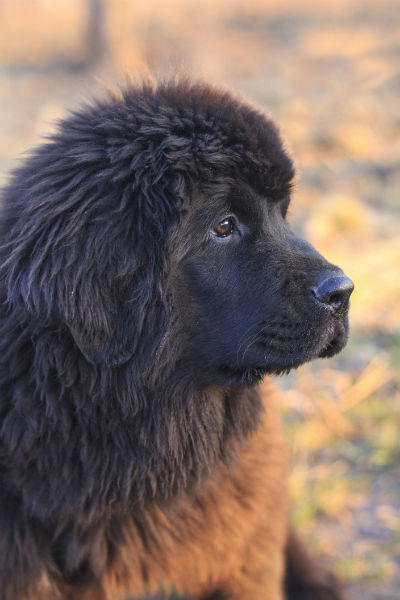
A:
280, 359
337, 342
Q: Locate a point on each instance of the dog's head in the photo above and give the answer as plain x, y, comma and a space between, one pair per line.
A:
162, 216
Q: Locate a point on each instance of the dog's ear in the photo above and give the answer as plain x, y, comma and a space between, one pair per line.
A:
85, 249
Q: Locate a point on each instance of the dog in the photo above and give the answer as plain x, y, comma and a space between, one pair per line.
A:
149, 281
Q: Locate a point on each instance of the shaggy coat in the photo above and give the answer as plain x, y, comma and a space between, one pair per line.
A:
148, 281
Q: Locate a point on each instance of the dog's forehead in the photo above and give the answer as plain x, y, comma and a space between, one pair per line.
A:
222, 136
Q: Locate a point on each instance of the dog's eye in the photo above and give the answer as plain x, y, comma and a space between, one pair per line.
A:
225, 227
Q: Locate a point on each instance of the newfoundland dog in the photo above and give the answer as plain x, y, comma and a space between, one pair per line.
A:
149, 281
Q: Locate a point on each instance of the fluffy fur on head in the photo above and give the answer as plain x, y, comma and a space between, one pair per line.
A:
130, 328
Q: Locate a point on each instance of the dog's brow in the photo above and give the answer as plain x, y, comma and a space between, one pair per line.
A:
243, 200
246, 200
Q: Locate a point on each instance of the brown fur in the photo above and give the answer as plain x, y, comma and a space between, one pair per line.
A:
231, 537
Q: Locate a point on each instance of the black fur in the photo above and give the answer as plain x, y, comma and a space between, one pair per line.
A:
121, 310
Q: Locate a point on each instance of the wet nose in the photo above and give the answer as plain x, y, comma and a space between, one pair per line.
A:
333, 291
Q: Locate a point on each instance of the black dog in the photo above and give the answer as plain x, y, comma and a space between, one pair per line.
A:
148, 281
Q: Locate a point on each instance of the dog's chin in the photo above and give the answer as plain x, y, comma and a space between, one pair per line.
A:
239, 376
249, 375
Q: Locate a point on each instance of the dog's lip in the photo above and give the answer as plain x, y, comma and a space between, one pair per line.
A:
331, 345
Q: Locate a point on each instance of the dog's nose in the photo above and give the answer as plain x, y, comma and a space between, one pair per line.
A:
333, 291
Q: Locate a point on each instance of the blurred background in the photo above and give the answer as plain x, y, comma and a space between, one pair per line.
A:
329, 73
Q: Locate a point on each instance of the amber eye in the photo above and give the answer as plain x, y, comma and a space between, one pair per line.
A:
225, 227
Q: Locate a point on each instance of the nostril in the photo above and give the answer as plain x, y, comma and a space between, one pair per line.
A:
334, 291
336, 299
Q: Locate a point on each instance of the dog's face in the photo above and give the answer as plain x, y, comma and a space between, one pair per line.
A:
254, 297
